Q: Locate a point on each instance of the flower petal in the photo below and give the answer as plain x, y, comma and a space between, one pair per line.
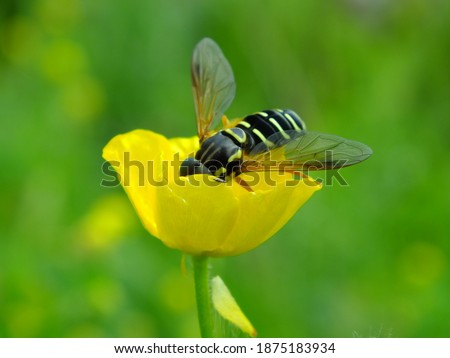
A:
137, 157
197, 214
265, 212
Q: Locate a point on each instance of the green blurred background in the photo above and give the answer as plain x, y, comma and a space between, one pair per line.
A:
370, 259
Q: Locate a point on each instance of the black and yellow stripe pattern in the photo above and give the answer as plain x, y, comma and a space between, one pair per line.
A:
261, 125
222, 153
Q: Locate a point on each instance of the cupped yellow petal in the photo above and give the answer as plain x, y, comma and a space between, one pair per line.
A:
197, 214
267, 210
138, 158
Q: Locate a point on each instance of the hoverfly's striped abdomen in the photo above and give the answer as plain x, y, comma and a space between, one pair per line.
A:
222, 153
261, 125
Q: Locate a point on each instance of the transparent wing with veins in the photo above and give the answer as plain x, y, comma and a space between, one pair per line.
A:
213, 85
304, 151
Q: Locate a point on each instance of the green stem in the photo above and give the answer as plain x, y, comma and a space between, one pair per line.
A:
203, 295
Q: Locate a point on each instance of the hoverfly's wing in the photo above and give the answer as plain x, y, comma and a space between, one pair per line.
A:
305, 151
213, 85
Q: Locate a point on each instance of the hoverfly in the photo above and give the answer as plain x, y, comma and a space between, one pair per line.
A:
267, 140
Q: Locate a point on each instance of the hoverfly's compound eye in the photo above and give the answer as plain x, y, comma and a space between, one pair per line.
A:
192, 166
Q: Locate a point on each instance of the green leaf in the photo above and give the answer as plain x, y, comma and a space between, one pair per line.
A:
225, 304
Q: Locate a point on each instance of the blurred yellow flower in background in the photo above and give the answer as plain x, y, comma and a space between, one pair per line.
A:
196, 214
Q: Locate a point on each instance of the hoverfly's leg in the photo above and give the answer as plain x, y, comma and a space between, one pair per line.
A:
244, 184
296, 173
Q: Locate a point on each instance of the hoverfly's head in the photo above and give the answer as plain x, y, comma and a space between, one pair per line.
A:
192, 166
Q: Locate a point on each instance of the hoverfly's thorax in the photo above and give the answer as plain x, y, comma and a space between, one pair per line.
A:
220, 154
239, 137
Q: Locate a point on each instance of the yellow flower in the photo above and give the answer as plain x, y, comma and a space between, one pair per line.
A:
196, 214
